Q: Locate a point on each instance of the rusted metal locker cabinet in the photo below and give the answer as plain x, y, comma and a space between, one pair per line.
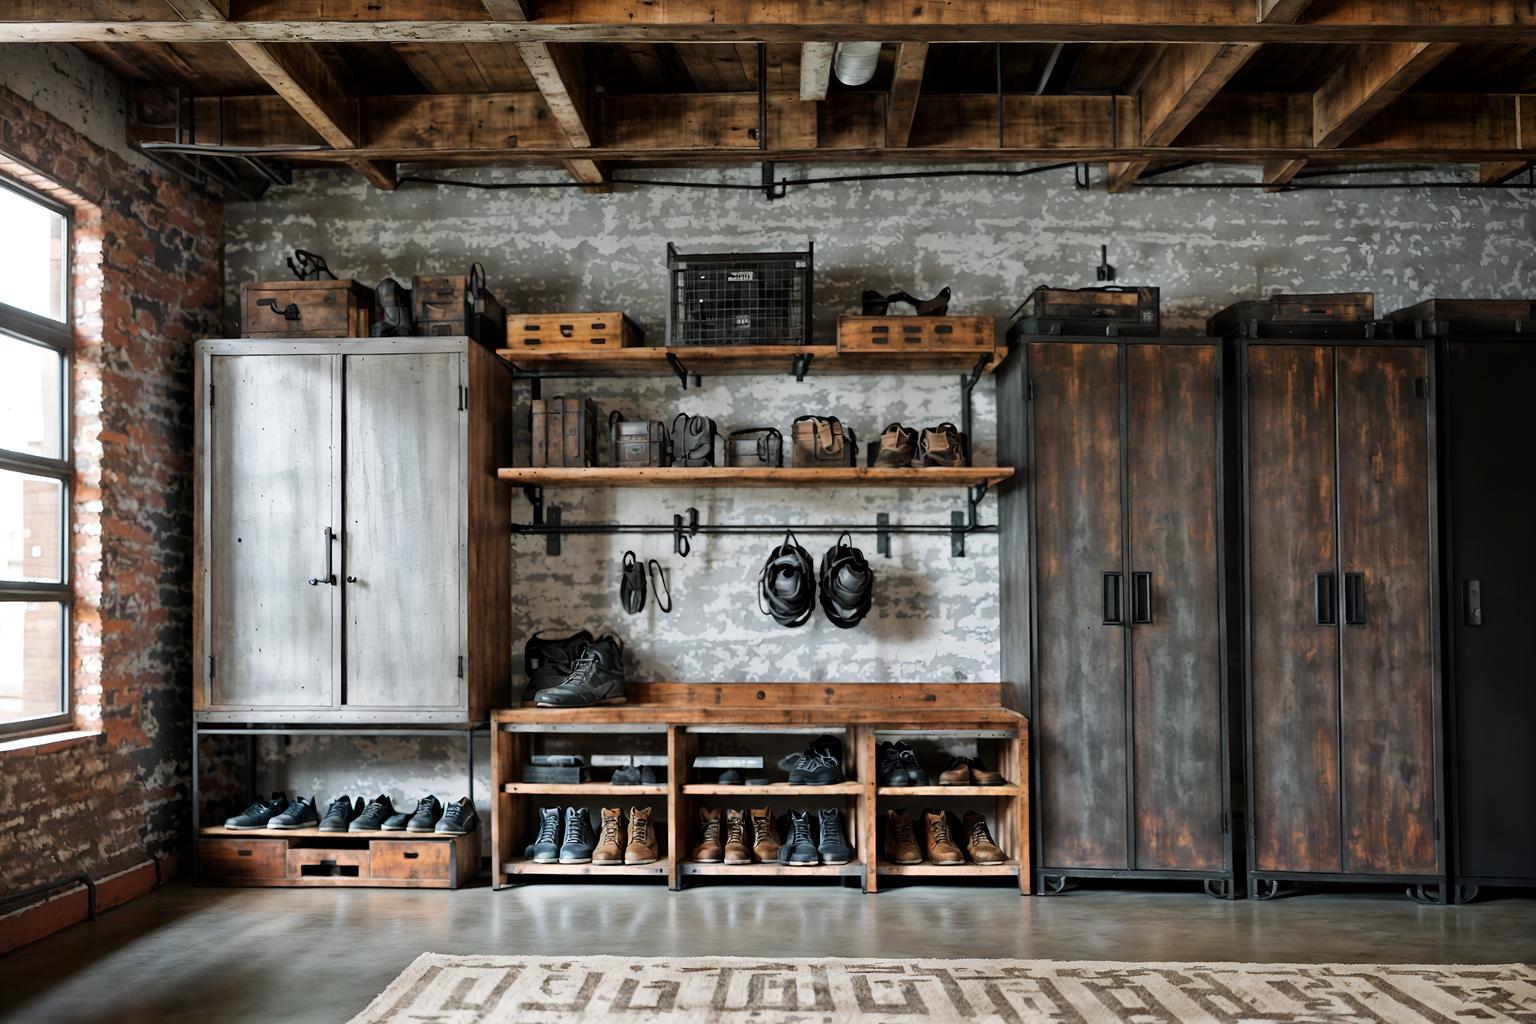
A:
1121, 528
1340, 632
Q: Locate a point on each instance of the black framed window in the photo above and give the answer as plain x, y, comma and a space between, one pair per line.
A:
36, 468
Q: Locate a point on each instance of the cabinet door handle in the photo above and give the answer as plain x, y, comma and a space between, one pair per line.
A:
330, 571
1114, 613
1354, 599
1141, 598
1474, 602
1326, 600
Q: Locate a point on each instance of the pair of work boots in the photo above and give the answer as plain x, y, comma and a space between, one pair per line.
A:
901, 447
810, 838
622, 840
578, 671
941, 839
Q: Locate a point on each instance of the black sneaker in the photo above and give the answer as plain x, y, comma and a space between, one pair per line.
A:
833, 844
428, 810
917, 775
378, 811
301, 813
544, 849
459, 819
888, 767
396, 822
548, 660
626, 776
799, 848
820, 765
732, 777
339, 816
579, 839
597, 677
259, 813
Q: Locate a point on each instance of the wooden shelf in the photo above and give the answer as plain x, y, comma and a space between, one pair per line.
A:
704, 360
1008, 868
851, 869
583, 789
528, 867
314, 833
1006, 789
729, 476
772, 789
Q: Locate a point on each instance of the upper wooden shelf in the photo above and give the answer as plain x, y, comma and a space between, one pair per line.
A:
651, 361
727, 476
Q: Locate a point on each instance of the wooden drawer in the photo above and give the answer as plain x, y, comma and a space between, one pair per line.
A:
237, 859
427, 860
323, 862
923, 333
440, 308
307, 309
570, 332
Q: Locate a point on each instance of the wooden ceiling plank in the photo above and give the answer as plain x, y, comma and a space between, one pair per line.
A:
1282, 12
559, 71
1368, 80
815, 70
297, 74
906, 88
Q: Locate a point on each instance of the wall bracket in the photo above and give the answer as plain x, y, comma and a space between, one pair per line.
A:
800, 364
962, 522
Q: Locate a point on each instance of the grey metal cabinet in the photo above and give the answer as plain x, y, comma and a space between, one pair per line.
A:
353, 540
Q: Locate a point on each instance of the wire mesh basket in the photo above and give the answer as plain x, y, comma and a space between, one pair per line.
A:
739, 298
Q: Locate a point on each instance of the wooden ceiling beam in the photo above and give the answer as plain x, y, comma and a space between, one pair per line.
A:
1282, 12
1500, 172
816, 70
1369, 79
1278, 173
906, 88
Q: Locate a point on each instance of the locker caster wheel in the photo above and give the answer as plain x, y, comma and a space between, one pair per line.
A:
1428, 895
1264, 889
1220, 889
1053, 885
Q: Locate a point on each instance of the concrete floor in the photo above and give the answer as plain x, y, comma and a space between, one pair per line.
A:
207, 954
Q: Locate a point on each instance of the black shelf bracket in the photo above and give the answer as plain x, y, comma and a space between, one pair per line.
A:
544, 516
968, 384
682, 371
962, 522
883, 534
535, 496
800, 364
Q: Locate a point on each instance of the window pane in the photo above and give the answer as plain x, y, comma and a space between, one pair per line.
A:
30, 404
31, 659
32, 260
30, 545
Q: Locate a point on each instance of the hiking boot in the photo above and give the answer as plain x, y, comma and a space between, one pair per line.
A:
898, 447
610, 838
820, 765
339, 816
259, 813
544, 849
708, 850
916, 774
942, 445
642, 839
596, 677
799, 850
901, 839
983, 849
459, 819
833, 845
301, 813
765, 837
548, 660
578, 840
941, 845
736, 850
428, 810
889, 771
378, 811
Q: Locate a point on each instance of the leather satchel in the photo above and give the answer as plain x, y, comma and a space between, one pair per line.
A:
755, 446
823, 441
693, 440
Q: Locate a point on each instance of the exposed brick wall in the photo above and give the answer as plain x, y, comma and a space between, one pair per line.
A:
147, 267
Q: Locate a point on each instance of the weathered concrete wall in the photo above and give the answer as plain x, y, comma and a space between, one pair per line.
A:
992, 240
147, 280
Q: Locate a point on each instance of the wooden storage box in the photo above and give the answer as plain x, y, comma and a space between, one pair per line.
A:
564, 432
307, 309
445, 306
308, 857
1090, 311
638, 443
1332, 316
1435, 318
572, 332
923, 333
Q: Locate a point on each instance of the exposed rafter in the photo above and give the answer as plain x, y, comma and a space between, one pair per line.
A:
1370, 78
906, 88
1282, 12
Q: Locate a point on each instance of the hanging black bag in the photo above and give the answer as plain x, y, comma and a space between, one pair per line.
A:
847, 584
786, 588
632, 586
693, 440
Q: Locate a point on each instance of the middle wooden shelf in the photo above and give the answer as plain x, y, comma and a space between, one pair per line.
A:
725, 476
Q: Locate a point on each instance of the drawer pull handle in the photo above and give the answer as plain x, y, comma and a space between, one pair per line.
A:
243, 853
288, 312
412, 856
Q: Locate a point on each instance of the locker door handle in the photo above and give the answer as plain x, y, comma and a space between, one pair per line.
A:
1114, 610
1473, 602
1326, 600
330, 569
1141, 598
1354, 599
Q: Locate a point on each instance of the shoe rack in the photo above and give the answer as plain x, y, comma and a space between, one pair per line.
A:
683, 719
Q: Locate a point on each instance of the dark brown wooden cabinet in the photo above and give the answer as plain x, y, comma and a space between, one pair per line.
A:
1121, 528
1340, 630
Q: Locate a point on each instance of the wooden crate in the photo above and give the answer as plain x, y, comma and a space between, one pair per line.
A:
1127, 308
1434, 318
1301, 316
309, 857
920, 333
571, 332
441, 307
307, 309
564, 432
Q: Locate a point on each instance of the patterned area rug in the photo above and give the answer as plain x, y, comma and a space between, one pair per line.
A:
495, 989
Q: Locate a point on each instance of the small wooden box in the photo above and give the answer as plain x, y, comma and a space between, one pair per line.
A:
920, 333
1091, 312
572, 332
307, 309
564, 432
442, 306
1323, 316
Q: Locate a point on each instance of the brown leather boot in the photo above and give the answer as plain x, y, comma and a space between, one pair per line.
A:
897, 445
709, 850
610, 838
957, 773
765, 837
642, 838
736, 851
942, 445
979, 842
982, 775
901, 839
941, 846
